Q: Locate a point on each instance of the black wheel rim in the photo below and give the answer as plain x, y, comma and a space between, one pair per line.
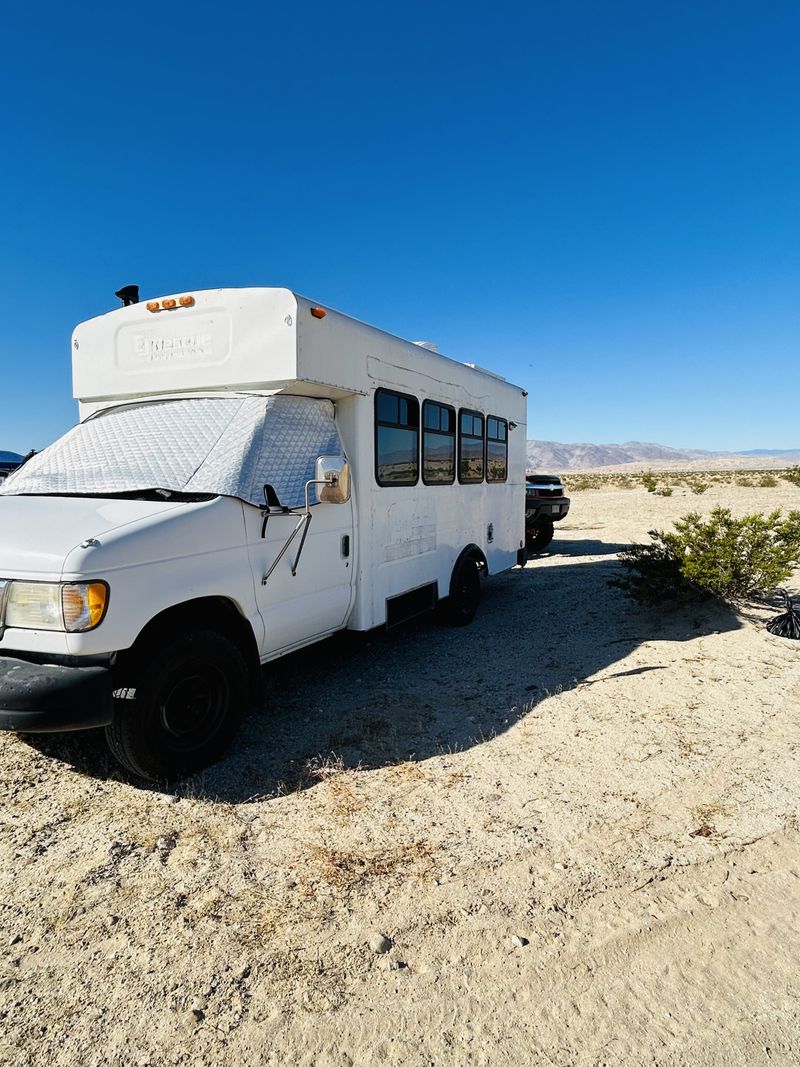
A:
194, 706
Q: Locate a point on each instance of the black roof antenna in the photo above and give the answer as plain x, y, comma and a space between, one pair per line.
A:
128, 294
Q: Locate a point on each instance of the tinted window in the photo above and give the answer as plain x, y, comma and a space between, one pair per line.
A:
470, 447
396, 438
438, 444
496, 449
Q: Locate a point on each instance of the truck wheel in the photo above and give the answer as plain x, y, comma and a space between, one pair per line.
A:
184, 712
538, 537
465, 594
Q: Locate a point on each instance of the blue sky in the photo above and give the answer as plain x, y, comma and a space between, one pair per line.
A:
599, 201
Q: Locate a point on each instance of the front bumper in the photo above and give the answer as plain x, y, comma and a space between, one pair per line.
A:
553, 510
50, 698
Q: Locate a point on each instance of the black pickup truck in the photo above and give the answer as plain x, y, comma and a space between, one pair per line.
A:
545, 504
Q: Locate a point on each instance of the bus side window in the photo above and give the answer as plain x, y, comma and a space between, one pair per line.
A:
496, 449
470, 446
396, 438
438, 443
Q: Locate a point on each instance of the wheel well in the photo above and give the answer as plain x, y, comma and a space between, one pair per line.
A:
469, 552
212, 613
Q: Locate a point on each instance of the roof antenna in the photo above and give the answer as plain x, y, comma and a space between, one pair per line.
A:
128, 294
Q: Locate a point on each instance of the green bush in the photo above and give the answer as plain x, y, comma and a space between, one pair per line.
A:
729, 558
766, 481
792, 475
666, 491
698, 487
649, 481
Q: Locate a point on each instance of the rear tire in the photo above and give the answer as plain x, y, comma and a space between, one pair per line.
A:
465, 594
538, 537
185, 710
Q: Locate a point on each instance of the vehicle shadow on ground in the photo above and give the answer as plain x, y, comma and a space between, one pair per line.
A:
587, 547
377, 699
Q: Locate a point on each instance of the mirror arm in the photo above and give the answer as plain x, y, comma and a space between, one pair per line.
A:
306, 519
304, 523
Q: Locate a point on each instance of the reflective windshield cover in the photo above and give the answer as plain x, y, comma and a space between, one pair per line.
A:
226, 446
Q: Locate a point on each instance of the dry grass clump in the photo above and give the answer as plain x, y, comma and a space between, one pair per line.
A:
303, 774
347, 868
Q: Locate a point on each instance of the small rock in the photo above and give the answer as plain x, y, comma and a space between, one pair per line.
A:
15, 940
166, 843
397, 965
194, 1016
519, 942
379, 944
290, 883
560, 866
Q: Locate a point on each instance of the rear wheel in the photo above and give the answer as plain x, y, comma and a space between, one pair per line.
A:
465, 594
538, 537
185, 710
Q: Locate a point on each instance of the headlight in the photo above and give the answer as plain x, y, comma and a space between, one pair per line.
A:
74, 607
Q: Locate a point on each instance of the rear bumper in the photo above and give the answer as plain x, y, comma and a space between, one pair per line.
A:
45, 698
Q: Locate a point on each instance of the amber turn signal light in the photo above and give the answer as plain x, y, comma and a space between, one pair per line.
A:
318, 313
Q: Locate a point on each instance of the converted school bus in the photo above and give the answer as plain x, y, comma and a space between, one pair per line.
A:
251, 473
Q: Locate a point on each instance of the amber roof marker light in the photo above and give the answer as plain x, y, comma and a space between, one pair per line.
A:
170, 304
318, 313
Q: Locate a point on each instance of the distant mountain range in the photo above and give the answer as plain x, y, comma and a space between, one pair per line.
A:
639, 455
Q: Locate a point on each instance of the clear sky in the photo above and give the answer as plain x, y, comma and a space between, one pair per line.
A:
597, 200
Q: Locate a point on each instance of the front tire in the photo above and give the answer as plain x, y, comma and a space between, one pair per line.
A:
185, 710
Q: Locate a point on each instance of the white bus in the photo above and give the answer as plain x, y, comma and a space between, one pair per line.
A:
251, 473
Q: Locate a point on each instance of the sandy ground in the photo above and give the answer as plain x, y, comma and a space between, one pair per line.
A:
614, 787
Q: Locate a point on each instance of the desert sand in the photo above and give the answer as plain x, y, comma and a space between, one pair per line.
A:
575, 823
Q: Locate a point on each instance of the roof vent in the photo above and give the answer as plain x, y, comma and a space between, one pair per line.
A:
429, 345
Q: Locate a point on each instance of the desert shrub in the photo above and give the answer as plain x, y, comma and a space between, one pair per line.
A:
698, 486
649, 481
725, 557
792, 475
577, 483
766, 481
666, 491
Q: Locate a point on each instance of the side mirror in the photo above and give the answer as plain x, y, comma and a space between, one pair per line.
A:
333, 474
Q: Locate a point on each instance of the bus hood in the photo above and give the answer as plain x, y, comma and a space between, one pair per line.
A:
38, 533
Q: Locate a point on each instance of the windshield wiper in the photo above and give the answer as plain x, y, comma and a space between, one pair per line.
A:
163, 495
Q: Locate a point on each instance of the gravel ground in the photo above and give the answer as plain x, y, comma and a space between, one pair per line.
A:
567, 834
